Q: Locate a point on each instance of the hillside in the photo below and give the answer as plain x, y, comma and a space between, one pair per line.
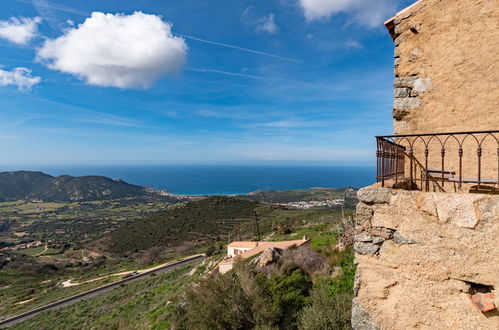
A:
26, 185
349, 195
48, 243
193, 223
304, 289
202, 222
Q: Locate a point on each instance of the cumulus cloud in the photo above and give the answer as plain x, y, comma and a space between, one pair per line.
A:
118, 50
365, 12
20, 77
19, 30
267, 24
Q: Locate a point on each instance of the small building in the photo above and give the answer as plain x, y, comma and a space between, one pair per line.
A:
237, 248
244, 250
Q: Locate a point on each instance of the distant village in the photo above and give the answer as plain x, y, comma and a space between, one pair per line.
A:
310, 204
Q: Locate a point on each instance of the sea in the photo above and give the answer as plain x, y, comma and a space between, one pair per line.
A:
223, 179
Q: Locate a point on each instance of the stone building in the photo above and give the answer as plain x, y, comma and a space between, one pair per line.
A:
447, 80
427, 234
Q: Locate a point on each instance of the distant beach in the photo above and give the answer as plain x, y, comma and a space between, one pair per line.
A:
223, 179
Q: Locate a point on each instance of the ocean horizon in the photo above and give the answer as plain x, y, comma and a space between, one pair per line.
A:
222, 179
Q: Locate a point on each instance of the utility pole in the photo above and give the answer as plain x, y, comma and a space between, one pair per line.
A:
256, 227
238, 231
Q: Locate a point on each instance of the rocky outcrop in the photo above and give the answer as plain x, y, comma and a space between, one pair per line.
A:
421, 256
268, 256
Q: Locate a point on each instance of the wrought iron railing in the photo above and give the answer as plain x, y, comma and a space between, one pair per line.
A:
441, 158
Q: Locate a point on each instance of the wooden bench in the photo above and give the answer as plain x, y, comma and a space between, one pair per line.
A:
436, 174
475, 180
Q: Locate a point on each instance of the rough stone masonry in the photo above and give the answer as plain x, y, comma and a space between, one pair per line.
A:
420, 255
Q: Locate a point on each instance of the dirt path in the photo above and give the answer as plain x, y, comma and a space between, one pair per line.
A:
39, 254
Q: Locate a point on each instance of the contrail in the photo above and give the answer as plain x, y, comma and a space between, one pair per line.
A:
46, 5
233, 74
237, 47
243, 75
54, 6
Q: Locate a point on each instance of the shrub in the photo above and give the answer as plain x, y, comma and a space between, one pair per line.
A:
210, 250
289, 296
346, 230
326, 311
216, 303
244, 299
305, 258
280, 227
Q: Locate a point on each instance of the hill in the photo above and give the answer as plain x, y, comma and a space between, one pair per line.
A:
305, 288
193, 222
26, 185
202, 222
33, 275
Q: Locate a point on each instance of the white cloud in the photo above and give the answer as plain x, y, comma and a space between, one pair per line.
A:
116, 50
267, 24
353, 44
20, 77
365, 12
19, 30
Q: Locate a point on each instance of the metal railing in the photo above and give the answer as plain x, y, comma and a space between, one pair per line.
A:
408, 158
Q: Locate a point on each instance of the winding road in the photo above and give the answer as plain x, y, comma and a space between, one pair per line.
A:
97, 291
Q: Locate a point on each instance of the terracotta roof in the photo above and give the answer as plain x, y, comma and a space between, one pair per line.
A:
243, 244
390, 24
268, 245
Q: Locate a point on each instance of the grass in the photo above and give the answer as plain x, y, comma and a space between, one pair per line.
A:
143, 304
207, 221
195, 226
18, 287
70, 222
150, 303
32, 279
32, 251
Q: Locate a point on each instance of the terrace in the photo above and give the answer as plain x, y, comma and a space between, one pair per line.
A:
445, 162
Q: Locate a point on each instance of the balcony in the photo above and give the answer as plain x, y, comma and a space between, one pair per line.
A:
458, 161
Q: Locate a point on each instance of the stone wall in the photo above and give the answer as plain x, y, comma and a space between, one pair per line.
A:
447, 77
420, 256
446, 68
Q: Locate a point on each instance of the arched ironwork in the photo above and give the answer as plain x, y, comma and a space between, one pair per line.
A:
393, 151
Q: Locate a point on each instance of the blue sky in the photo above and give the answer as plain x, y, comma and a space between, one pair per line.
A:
194, 81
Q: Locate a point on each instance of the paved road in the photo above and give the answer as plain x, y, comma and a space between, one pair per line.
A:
97, 291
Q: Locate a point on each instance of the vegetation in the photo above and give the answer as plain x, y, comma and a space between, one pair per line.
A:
306, 288
205, 222
326, 311
27, 185
140, 232
70, 223
304, 195
144, 304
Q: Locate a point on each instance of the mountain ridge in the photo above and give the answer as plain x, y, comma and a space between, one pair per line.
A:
30, 185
